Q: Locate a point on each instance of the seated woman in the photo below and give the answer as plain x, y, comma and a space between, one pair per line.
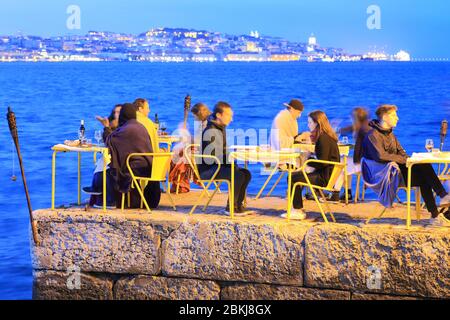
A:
326, 149
132, 137
201, 113
359, 128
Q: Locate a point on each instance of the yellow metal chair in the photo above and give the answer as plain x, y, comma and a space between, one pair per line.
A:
191, 161
206, 184
417, 194
444, 175
337, 170
160, 168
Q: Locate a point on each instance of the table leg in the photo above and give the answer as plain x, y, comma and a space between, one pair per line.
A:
169, 147
231, 193
408, 199
346, 180
289, 194
79, 178
245, 198
104, 181
53, 178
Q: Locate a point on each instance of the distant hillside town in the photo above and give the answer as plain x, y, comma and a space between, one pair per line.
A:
176, 45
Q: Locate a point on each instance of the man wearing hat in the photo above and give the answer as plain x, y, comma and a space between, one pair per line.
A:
284, 132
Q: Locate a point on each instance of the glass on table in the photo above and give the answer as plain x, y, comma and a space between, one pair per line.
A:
345, 140
98, 136
163, 128
429, 145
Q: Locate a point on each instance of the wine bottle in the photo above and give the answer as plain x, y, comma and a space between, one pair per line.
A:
157, 122
82, 132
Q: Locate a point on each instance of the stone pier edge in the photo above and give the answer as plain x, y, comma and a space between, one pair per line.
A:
160, 284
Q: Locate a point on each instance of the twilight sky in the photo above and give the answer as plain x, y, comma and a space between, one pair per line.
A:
421, 27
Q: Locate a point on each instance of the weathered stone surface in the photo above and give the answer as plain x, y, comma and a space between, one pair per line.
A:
53, 285
411, 262
110, 244
274, 292
236, 251
160, 288
370, 296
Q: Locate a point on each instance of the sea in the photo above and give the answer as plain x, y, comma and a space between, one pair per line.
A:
49, 101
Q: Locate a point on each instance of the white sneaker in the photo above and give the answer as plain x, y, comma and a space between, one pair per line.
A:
445, 201
439, 221
296, 214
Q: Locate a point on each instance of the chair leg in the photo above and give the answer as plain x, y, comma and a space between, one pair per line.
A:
418, 204
275, 184
141, 193
381, 215
318, 203
171, 201
178, 184
204, 188
327, 205
123, 201
363, 196
198, 200
219, 191
290, 204
358, 182
212, 196
266, 183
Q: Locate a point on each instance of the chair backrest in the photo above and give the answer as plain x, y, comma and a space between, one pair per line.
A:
160, 166
335, 174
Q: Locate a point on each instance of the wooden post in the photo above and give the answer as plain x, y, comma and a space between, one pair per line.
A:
13, 129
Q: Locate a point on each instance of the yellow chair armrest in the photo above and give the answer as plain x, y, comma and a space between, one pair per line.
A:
322, 162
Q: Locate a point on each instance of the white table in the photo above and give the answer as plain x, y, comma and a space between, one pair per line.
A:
421, 158
255, 155
62, 148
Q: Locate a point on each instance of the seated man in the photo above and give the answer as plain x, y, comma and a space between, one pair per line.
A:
284, 132
143, 110
214, 142
382, 146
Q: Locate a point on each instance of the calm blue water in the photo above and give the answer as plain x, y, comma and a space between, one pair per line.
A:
50, 99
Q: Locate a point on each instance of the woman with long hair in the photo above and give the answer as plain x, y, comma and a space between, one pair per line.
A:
326, 148
359, 128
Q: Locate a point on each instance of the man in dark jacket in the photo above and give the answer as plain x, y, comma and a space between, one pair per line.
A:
132, 137
381, 145
214, 142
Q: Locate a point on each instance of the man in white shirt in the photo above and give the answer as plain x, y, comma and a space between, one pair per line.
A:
284, 132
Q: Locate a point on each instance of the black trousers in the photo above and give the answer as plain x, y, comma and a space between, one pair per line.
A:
242, 179
314, 178
423, 176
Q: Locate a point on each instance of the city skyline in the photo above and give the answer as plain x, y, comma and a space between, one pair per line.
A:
178, 45
415, 26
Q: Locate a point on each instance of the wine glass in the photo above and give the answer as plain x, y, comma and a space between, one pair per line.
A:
98, 136
429, 145
163, 128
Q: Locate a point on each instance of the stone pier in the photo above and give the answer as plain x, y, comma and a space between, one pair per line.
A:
88, 254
